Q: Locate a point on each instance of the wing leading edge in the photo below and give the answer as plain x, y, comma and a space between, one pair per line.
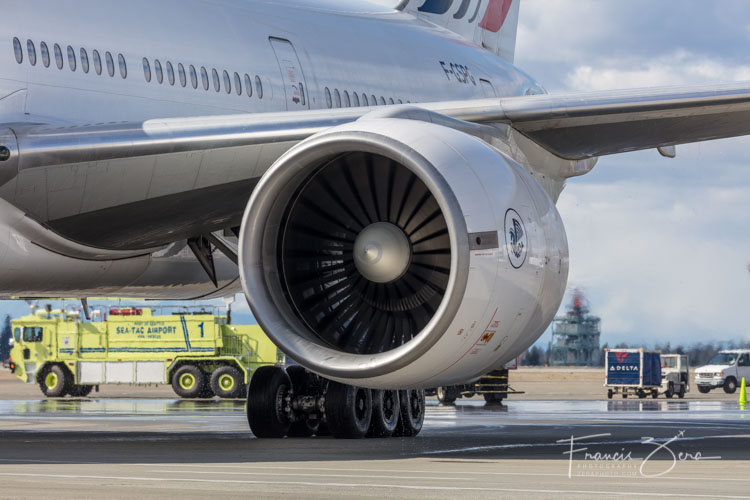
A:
571, 126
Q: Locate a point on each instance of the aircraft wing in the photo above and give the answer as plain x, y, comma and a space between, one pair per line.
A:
572, 126
584, 125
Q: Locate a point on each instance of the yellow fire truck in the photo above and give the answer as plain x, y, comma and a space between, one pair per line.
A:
198, 353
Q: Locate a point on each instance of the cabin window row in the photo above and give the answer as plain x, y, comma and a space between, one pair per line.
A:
161, 73
73, 58
345, 100
189, 75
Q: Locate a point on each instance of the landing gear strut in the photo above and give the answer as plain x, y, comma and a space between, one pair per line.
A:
297, 403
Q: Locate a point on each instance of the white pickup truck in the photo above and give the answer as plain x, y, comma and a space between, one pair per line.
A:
725, 370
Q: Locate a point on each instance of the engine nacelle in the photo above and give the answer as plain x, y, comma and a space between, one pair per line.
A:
393, 253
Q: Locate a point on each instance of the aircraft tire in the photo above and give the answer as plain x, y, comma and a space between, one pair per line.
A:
189, 382
411, 419
385, 413
269, 387
226, 382
348, 410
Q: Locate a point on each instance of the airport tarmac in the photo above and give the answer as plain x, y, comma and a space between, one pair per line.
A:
115, 448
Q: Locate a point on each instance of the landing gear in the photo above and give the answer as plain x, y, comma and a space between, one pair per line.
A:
412, 413
297, 403
385, 413
267, 402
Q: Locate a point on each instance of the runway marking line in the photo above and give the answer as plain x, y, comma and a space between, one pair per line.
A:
374, 485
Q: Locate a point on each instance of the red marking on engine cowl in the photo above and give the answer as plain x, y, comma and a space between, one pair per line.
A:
494, 16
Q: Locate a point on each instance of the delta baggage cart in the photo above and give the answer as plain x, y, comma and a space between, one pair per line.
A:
634, 372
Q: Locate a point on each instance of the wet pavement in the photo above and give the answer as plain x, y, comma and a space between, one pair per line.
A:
167, 447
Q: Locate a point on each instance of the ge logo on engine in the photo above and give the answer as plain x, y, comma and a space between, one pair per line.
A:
515, 238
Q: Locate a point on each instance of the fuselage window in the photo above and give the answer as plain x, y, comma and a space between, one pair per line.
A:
337, 97
45, 54
84, 60
58, 57
204, 77
159, 72
329, 102
217, 82
365, 102
183, 75
237, 84
110, 63
248, 85
31, 51
123, 66
71, 58
170, 72
97, 62
146, 70
258, 87
18, 50
302, 93
355, 97
193, 77
347, 101
227, 83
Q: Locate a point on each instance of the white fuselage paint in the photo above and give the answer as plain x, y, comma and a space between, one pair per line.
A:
333, 48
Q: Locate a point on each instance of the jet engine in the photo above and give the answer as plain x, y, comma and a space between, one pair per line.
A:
397, 253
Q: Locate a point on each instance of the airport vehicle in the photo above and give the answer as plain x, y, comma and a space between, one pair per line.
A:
199, 354
675, 375
635, 372
379, 176
725, 370
493, 386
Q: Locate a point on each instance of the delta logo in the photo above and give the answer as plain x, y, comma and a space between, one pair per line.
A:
621, 356
623, 368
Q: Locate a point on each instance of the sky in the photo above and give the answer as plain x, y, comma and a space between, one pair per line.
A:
659, 246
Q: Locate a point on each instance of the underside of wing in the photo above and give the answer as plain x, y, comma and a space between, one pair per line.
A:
585, 125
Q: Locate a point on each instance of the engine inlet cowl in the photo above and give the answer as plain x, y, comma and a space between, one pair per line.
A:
364, 247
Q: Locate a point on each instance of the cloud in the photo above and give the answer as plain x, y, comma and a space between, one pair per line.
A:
680, 68
659, 264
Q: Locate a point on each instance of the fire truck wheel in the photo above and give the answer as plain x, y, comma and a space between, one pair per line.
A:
226, 382
411, 418
81, 391
266, 402
189, 381
54, 382
348, 410
385, 413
